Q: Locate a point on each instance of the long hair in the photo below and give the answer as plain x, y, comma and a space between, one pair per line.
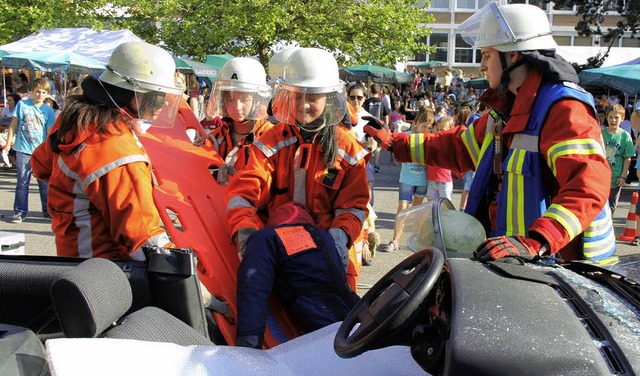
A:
80, 111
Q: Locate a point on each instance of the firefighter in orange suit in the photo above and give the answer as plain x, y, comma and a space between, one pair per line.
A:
308, 158
239, 103
100, 178
542, 179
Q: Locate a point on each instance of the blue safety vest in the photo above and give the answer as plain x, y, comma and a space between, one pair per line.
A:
523, 197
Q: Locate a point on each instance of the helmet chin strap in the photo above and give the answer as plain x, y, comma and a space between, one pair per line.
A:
505, 79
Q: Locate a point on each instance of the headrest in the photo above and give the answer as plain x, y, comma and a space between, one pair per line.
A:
90, 297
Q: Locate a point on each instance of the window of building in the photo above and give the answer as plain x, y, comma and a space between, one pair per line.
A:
441, 42
464, 53
582, 41
562, 40
440, 4
539, 3
471, 4
564, 8
630, 42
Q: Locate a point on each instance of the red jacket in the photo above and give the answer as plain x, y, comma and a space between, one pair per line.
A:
581, 184
100, 195
337, 197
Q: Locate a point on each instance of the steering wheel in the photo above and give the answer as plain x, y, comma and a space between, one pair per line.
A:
388, 304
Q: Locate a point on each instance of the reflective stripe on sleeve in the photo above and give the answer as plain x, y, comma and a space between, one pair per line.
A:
416, 145
360, 214
566, 218
582, 146
269, 152
469, 140
237, 202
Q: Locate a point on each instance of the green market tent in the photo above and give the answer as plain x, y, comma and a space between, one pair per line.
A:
625, 78
374, 73
431, 64
217, 61
53, 61
199, 69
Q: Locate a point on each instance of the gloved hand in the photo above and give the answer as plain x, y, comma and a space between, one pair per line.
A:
340, 238
503, 246
223, 174
375, 129
241, 239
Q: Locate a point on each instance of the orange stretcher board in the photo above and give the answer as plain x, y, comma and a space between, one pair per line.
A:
186, 188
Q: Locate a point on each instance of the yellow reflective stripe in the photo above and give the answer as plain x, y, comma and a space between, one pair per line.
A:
416, 145
514, 221
469, 140
582, 146
566, 218
607, 261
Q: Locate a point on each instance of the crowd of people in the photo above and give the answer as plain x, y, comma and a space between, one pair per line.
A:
301, 150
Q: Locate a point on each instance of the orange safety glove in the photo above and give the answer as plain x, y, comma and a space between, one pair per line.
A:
504, 246
375, 129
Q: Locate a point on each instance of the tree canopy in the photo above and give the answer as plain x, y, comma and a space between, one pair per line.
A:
357, 31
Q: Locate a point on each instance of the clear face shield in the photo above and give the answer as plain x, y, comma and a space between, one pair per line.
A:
309, 108
238, 101
487, 27
155, 107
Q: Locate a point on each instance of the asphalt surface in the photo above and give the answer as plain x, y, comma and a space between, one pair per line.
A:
40, 239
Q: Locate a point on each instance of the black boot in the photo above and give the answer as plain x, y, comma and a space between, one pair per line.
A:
250, 341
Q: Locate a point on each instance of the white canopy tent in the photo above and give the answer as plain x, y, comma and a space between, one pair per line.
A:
617, 55
84, 41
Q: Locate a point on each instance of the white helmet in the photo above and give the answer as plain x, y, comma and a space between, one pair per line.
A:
438, 224
141, 67
278, 62
511, 27
240, 75
310, 77
148, 71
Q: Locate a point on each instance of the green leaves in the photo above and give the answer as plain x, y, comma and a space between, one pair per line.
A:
356, 31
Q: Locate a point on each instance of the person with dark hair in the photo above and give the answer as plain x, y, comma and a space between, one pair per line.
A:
376, 107
22, 86
542, 178
309, 157
100, 177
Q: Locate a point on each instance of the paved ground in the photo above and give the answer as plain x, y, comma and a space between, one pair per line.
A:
40, 240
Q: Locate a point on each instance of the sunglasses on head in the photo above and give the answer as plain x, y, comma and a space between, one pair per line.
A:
354, 97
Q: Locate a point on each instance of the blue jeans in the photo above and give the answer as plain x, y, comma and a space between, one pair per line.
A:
21, 202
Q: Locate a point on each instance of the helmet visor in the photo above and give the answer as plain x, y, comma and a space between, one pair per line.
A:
238, 101
487, 27
309, 106
159, 107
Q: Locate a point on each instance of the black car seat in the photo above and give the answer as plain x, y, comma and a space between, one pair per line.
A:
91, 299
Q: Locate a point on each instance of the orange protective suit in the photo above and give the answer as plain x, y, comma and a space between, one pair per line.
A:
100, 194
281, 168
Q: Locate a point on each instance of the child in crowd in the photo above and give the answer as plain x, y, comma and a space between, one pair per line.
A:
440, 182
413, 179
396, 115
31, 122
619, 149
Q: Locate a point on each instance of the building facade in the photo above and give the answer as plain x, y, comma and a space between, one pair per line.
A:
451, 49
